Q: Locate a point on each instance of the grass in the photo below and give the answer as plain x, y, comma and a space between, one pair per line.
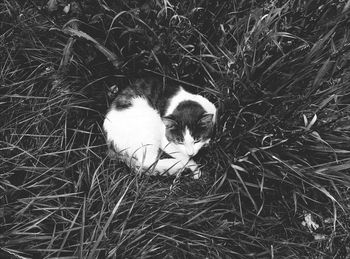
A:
277, 70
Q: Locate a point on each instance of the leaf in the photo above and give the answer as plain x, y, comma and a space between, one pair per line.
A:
52, 6
316, 49
103, 232
236, 167
106, 52
66, 9
312, 122
330, 196
325, 102
67, 54
305, 120
346, 7
320, 237
322, 72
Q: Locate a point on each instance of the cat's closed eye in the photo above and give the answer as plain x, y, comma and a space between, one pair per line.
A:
179, 140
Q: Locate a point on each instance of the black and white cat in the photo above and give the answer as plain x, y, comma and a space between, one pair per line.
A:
148, 116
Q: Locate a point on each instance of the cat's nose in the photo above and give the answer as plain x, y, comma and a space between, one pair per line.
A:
190, 151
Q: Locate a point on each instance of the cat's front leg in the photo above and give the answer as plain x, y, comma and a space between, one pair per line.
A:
191, 164
148, 160
174, 165
185, 160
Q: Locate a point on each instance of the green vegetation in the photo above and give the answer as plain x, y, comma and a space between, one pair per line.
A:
276, 176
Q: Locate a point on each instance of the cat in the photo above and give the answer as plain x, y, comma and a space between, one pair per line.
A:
149, 117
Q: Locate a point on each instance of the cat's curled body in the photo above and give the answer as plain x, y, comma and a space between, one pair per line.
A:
149, 117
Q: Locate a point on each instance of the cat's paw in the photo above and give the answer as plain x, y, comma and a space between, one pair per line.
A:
190, 173
192, 165
194, 168
197, 174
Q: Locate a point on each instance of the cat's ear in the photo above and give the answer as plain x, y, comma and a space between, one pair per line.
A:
206, 120
169, 122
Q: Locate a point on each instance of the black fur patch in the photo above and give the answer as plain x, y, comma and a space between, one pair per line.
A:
155, 91
123, 100
189, 114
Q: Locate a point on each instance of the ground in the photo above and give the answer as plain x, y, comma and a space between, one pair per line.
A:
276, 176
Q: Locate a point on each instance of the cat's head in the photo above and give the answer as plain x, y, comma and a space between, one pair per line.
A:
189, 127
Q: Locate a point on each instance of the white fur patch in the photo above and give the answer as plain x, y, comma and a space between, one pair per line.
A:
133, 128
189, 143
